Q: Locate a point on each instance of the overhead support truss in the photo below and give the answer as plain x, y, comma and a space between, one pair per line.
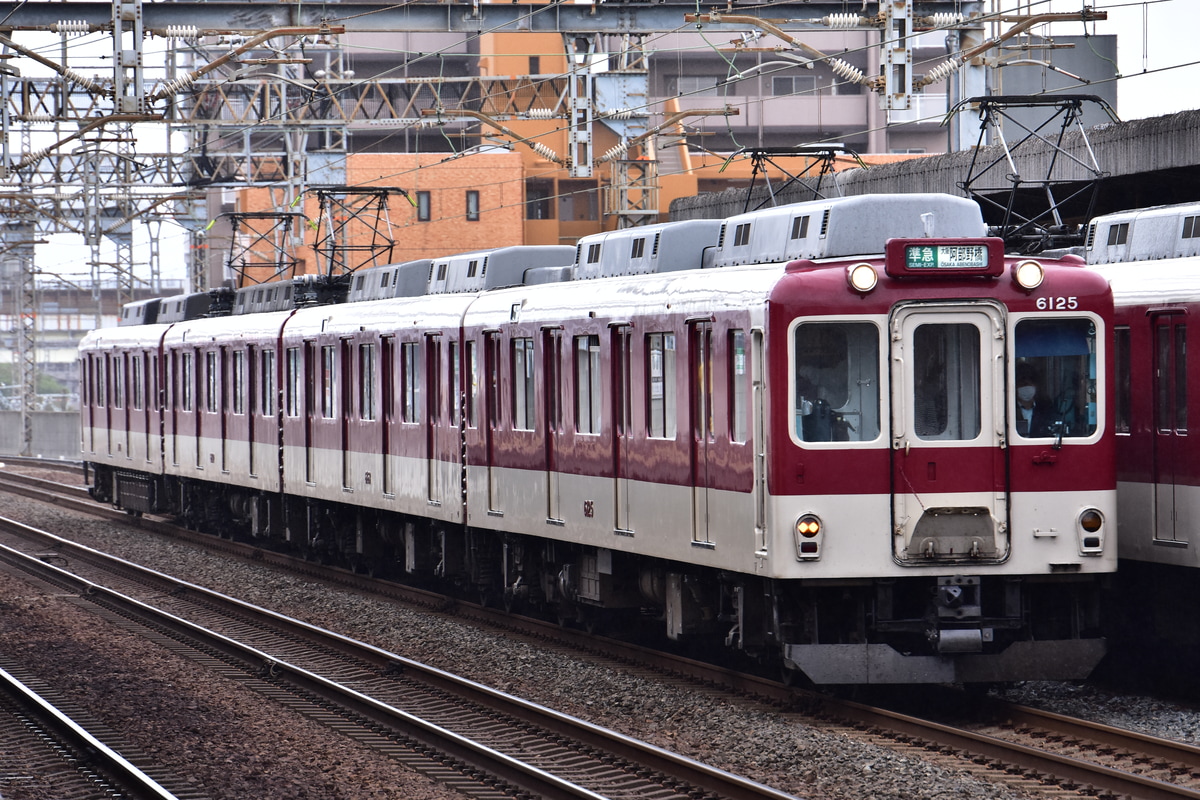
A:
1035, 212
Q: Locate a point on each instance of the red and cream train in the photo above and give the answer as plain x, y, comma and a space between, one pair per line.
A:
793, 433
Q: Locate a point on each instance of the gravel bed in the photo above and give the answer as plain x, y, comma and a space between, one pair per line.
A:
762, 744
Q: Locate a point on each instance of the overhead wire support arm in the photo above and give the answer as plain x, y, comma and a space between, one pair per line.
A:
537, 147
184, 81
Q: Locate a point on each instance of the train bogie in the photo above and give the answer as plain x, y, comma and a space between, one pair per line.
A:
790, 449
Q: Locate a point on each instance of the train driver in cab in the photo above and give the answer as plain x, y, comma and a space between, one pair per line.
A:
1035, 416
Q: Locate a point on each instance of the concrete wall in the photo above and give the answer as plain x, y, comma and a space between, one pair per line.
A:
55, 434
1142, 151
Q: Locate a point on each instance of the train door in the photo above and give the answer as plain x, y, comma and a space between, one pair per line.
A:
621, 423
491, 413
309, 388
1170, 423
552, 370
947, 368
346, 380
700, 369
433, 411
387, 398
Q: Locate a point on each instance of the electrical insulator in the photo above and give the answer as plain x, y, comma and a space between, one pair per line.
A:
842, 21
847, 72
71, 27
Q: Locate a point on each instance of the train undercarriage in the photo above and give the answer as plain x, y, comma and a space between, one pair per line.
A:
929, 629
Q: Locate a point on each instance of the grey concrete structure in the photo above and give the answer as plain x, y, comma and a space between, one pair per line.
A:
55, 434
1145, 162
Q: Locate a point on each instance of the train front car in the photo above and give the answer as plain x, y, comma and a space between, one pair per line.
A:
941, 479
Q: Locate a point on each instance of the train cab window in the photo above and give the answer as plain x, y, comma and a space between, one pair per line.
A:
524, 400
737, 386
587, 384
410, 387
1122, 379
366, 381
661, 385
836, 382
1054, 378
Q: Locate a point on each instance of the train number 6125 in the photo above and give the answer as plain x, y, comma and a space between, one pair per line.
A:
1057, 303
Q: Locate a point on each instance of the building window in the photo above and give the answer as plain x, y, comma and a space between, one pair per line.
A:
578, 200
524, 397
539, 199
793, 84
472, 206
424, 214
696, 84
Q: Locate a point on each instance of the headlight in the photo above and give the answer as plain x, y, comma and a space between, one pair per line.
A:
862, 277
1029, 274
808, 537
808, 526
1091, 538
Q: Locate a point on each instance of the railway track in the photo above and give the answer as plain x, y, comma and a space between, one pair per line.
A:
482, 742
1011, 744
35, 732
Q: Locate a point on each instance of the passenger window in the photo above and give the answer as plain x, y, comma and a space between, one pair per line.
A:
1122, 378
186, 382
737, 386
409, 381
295, 391
524, 402
661, 383
836, 382
587, 384
267, 401
366, 381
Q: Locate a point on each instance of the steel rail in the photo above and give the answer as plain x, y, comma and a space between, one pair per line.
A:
119, 772
693, 773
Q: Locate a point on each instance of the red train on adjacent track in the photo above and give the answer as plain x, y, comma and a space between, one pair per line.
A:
794, 433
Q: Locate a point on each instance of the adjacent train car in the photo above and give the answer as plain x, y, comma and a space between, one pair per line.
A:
1152, 259
804, 433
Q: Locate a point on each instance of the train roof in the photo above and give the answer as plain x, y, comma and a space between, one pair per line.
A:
1144, 234
817, 229
494, 269
844, 226
1157, 283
